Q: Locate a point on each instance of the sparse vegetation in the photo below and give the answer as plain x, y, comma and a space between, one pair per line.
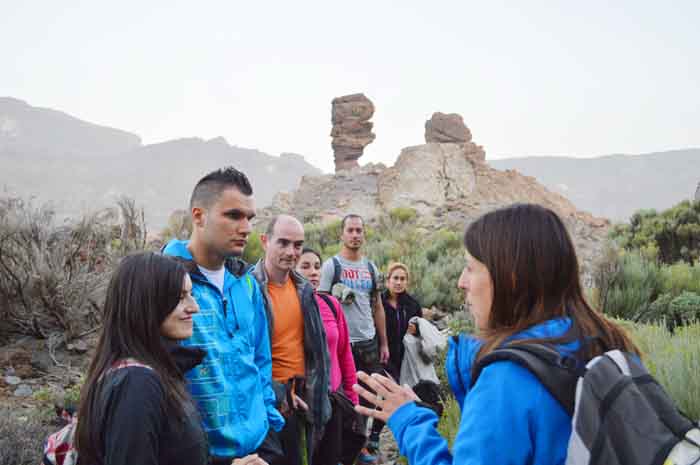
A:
52, 276
435, 258
22, 437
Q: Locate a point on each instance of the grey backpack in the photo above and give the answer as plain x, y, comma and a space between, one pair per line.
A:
620, 413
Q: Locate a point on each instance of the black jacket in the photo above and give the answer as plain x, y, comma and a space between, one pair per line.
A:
396, 326
136, 428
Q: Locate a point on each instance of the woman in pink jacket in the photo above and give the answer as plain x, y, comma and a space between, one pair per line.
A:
343, 373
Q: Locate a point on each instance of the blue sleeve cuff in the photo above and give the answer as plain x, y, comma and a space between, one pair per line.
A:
405, 415
397, 421
275, 418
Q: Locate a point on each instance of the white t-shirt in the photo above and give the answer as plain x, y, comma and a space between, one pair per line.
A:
216, 277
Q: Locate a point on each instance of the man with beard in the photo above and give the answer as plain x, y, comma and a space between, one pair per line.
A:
362, 306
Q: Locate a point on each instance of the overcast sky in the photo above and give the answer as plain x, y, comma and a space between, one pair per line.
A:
529, 77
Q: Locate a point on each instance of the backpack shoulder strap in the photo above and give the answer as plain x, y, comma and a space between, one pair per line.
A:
337, 268
373, 272
557, 373
327, 299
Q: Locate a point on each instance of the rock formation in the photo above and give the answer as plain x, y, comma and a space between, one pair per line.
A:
448, 184
697, 193
352, 130
444, 128
447, 128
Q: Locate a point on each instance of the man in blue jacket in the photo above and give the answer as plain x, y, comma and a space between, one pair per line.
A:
232, 387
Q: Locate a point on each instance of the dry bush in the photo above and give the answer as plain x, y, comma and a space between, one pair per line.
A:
52, 277
179, 226
22, 438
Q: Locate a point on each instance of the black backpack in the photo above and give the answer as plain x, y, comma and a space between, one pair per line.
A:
620, 413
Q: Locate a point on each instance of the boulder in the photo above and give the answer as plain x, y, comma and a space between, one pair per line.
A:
447, 128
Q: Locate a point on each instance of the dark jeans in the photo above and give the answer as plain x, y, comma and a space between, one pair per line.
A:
366, 355
330, 448
290, 437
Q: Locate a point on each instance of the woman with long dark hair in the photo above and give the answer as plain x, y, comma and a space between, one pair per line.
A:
134, 408
521, 284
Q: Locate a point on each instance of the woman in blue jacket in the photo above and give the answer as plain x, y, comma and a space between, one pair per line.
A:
521, 282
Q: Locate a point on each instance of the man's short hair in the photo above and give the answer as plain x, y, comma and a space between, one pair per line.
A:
271, 226
210, 187
270, 230
349, 217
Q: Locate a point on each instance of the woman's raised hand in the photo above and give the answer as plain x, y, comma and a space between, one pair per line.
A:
385, 394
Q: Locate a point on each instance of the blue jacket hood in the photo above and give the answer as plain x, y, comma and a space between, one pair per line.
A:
178, 248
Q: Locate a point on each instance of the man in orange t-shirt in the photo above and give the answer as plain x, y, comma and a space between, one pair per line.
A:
300, 363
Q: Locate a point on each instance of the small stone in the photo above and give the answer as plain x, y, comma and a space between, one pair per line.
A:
41, 360
79, 347
13, 380
23, 390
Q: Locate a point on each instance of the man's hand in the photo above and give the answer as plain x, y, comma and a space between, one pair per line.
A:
299, 403
383, 354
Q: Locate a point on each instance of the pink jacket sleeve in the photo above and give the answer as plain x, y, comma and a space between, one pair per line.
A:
345, 360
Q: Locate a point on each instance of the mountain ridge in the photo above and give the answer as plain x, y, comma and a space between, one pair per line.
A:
78, 166
615, 185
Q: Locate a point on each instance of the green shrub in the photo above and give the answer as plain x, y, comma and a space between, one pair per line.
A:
403, 214
253, 249
680, 277
634, 286
687, 306
324, 238
671, 235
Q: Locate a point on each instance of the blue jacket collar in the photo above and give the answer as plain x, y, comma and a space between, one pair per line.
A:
463, 349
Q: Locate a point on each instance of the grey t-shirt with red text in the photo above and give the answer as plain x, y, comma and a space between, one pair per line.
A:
357, 277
